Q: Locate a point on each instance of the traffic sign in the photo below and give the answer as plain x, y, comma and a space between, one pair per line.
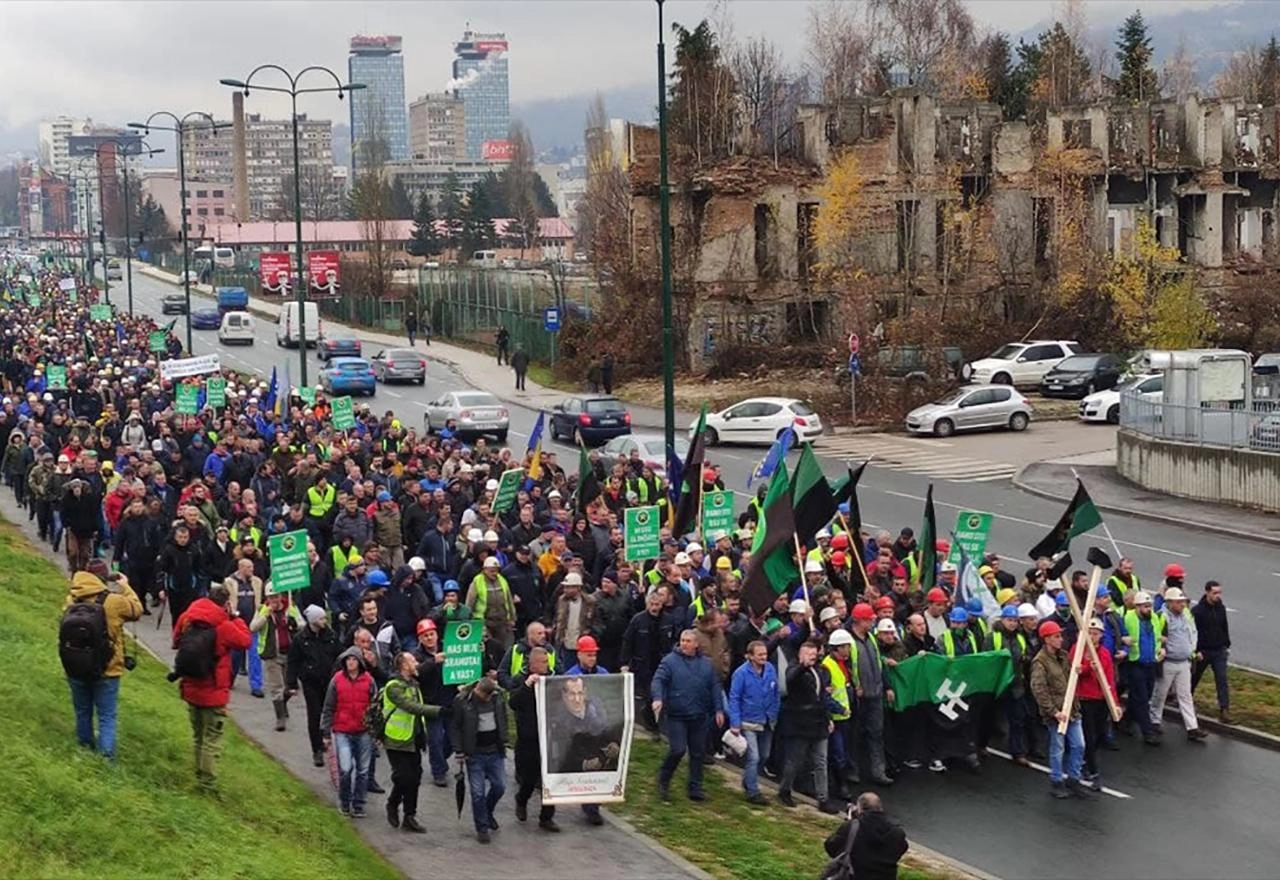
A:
855, 365
551, 319
854, 343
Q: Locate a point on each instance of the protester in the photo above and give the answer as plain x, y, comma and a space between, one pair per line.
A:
753, 713
405, 736
1213, 647
1050, 671
312, 656
686, 696
350, 692
479, 734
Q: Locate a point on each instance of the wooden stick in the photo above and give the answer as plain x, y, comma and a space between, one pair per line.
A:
1112, 705
1074, 678
855, 550
804, 583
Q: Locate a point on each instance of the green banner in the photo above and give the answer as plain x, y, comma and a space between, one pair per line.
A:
290, 566
56, 377
508, 486
344, 414
99, 312
463, 652
308, 394
717, 514
156, 340
215, 391
188, 401
973, 527
641, 530
935, 679
33, 300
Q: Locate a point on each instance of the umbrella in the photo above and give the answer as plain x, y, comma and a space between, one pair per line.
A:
459, 790
163, 606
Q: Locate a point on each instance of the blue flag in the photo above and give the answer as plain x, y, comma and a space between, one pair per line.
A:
269, 403
535, 447
119, 332
777, 453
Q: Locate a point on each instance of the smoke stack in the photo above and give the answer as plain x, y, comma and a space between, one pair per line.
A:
240, 165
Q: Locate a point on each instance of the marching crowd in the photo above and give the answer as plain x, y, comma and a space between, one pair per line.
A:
168, 513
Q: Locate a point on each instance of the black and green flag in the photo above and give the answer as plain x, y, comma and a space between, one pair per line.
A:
940, 699
811, 496
1080, 516
845, 491
928, 544
685, 517
772, 568
588, 486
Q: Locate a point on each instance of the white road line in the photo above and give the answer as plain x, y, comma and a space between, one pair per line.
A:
396, 394
1045, 770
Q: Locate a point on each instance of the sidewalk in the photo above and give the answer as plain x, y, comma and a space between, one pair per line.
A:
614, 851
1113, 493
477, 368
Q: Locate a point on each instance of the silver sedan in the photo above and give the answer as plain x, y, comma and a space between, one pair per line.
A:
399, 365
474, 414
972, 408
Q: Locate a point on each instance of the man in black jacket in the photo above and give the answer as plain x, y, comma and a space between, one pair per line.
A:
804, 724
648, 638
525, 580
81, 516
1213, 646
527, 754
312, 656
877, 845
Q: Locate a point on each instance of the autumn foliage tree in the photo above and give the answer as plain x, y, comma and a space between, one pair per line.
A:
1154, 296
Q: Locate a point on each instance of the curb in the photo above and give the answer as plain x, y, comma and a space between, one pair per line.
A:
1250, 735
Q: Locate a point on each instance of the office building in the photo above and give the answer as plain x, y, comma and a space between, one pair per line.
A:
419, 176
438, 128
379, 120
480, 80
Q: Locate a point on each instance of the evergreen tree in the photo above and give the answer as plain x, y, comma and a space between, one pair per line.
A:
1269, 74
477, 230
452, 212
400, 206
425, 240
998, 71
1051, 72
1137, 80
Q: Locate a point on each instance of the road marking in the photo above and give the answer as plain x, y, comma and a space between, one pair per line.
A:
396, 394
1045, 770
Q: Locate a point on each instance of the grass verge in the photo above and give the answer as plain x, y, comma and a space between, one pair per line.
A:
68, 813
725, 836
1255, 699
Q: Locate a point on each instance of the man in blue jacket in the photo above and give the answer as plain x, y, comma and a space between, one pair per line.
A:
753, 713
686, 695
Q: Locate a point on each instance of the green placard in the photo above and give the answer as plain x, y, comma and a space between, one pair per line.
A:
308, 394
641, 530
463, 652
215, 391
72, 296
188, 402
33, 300
973, 527
344, 414
99, 312
156, 340
290, 566
717, 514
56, 377
508, 486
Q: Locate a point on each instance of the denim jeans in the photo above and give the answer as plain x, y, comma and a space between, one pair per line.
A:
1215, 659
684, 735
354, 752
482, 768
248, 661
438, 748
759, 742
101, 696
1073, 739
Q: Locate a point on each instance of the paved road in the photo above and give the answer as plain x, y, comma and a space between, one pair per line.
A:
892, 496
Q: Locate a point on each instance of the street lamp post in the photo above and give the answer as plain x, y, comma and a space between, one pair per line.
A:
664, 215
88, 219
246, 85
181, 125
123, 148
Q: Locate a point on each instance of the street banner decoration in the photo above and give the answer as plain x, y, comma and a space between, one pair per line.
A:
717, 514
181, 368
274, 268
508, 487
156, 341
290, 565
973, 528
99, 312
215, 391
585, 724
188, 400
324, 275
641, 530
940, 699
463, 652
56, 377
344, 414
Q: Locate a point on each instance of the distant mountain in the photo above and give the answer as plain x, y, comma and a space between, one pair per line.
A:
556, 124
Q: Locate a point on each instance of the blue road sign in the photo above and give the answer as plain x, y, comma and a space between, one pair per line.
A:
551, 319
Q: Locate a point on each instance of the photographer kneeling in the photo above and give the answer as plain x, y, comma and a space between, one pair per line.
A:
866, 846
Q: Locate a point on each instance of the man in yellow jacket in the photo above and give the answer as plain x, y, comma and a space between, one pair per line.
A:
91, 646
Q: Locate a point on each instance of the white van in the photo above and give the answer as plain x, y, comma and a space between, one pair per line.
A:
287, 330
223, 257
486, 259
237, 328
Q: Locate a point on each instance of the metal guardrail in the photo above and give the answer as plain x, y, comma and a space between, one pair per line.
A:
1234, 428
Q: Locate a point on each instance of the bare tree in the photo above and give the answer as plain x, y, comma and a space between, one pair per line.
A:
321, 195
519, 181
838, 49
1178, 75
371, 202
763, 87
1241, 75
914, 34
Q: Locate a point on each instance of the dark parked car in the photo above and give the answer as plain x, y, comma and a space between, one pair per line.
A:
337, 343
915, 363
595, 418
173, 304
1081, 375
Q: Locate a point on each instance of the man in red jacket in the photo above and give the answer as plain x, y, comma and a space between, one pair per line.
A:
1093, 705
207, 698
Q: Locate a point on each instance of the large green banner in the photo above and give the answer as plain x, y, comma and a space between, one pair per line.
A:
641, 530
508, 486
290, 566
344, 414
717, 514
973, 527
463, 652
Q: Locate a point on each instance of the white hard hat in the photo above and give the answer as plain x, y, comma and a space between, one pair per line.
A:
490, 535
1096, 624
491, 485
1026, 609
824, 533
1173, 594
839, 637
475, 536
813, 565
886, 625
827, 613
1142, 597
683, 559
417, 563
572, 579
797, 606
554, 493
693, 547
491, 562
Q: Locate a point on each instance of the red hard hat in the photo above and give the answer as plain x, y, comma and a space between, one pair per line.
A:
840, 542
426, 625
586, 644
863, 611
937, 594
1174, 570
941, 546
1050, 628
884, 602
838, 559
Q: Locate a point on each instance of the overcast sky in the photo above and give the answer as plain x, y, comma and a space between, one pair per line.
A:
117, 60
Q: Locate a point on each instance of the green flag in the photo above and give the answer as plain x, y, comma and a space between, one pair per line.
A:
686, 511
588, 486
1080, 516
928, 544
811, 496
772, 568
944, 695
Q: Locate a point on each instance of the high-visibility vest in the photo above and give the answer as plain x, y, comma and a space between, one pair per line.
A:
949, 643
399, 724
291, 613
1117, 585
482, 595
853, 658
839, 687
342, 560
913, 568
983, 628
319, 505
641, 488
997, 641
519, 660
254, 532
1133, 627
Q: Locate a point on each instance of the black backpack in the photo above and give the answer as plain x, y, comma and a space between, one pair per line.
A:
197, 655
84, 644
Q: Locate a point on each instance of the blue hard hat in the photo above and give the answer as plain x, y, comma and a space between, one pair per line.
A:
974, 605
844, 507
450, 587
1103, 592
377, 578
1009, 611
959, 615
1062, 599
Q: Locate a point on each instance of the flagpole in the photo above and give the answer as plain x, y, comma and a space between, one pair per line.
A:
1105, 528
804, 583
855, 549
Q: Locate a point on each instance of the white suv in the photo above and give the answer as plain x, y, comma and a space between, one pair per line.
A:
1022, 363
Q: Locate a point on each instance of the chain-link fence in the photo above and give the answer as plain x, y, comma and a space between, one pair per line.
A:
1234, 427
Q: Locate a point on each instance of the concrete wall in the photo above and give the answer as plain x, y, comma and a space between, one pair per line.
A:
1205, 473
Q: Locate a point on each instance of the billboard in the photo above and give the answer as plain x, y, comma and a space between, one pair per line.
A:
274, 268
498, 151
488, 46
325, 274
